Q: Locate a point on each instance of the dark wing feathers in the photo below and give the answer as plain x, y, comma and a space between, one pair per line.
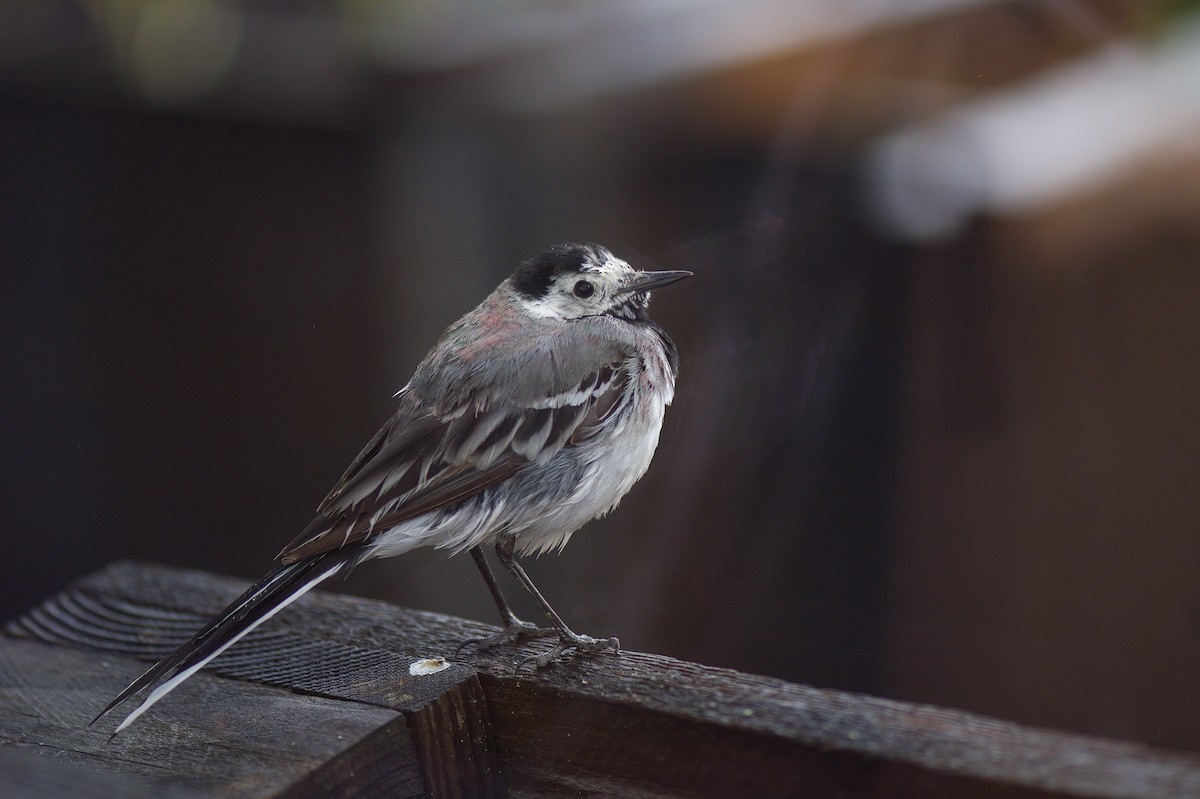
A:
420, 462
407, 427
608, 393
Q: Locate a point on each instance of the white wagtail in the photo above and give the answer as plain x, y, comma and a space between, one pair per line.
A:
532, 415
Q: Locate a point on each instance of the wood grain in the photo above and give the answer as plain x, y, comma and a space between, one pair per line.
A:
220, 738
617, 725
456, 744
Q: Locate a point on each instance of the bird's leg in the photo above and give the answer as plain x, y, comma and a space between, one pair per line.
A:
514, 628
567, 639
506, 613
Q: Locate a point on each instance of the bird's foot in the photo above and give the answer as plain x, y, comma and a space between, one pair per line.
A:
514, 631
572, 644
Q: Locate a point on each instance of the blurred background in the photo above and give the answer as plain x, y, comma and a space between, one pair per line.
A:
936, 430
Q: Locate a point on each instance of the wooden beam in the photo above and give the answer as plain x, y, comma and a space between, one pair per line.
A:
618, 725
221, 738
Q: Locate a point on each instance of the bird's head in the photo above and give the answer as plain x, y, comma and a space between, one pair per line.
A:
571, 281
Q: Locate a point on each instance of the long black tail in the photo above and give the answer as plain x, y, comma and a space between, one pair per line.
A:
275, 591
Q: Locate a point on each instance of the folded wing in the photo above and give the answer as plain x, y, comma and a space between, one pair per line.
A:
422, 461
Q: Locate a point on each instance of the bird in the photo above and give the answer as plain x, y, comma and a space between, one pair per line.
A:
533, 414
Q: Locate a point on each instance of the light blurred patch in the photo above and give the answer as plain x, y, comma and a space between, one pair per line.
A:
182, 50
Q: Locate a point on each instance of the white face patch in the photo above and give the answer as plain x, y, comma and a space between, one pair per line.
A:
591, 291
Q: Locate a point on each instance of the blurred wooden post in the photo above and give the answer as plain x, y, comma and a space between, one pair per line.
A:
329, 700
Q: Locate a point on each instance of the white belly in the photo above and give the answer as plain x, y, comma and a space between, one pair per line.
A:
614, 464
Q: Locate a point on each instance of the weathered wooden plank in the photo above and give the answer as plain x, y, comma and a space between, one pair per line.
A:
223, 738
383, 764
628, 725
456, 744
619, 750
333, 646
451, 742
34, 772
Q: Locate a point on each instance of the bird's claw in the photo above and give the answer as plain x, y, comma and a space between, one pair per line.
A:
514, 632
578, 645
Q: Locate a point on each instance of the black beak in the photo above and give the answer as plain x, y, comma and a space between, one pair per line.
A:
646, 281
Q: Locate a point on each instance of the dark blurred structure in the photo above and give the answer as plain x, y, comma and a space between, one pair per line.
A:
934, 436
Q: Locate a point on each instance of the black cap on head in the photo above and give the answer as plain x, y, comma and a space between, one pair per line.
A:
533, 277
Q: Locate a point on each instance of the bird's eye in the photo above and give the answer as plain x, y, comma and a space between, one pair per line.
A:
584, 289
